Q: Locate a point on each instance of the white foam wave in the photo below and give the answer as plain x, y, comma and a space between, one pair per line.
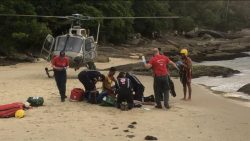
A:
230, 85
237, 95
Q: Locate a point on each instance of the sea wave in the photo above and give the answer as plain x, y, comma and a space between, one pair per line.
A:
228, 85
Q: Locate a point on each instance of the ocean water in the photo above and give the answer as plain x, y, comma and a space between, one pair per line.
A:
228, 85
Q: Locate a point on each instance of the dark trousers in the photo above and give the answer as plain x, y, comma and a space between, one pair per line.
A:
125, 96
88, 84
61, 79
161, 90
139, 93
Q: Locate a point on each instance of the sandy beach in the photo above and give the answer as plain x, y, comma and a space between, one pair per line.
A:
208, 117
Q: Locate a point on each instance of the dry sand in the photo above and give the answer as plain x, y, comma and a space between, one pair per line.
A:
208, 117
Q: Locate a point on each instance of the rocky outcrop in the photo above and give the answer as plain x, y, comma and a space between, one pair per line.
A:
202, 32
14, 59
198, 70
245, 89
216, 56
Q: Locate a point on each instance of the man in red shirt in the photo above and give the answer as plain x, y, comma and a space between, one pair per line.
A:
60, 64
159, 63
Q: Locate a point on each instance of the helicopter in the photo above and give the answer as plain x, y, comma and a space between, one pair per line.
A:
78, 45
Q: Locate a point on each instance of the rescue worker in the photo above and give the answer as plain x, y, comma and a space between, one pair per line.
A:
186, 73
159, 63
89, 80
137, 86
124, 91
60, 64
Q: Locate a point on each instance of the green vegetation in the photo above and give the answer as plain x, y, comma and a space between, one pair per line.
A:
27, 34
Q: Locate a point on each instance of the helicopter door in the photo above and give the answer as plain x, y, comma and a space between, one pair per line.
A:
47, 47
90, 50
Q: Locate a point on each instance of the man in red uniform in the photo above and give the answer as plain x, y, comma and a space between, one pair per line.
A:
60, 64
161, 85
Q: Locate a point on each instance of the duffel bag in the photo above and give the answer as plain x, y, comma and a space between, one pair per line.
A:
9, 110
77, 94
35, 101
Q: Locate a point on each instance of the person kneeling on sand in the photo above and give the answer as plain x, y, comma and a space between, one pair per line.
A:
107, 88
124, 92
138, 87
89, 80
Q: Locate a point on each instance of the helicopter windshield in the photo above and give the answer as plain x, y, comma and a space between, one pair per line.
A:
73, 44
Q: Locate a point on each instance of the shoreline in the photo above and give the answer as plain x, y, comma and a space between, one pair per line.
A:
238, 100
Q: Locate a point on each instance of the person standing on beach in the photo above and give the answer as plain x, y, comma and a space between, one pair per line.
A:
186, 73
161, 85
60, 64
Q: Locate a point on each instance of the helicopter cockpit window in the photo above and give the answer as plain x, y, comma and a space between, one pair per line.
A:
74, 44
89, 44
61, 43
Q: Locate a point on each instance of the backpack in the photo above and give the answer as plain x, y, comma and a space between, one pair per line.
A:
35, 101
77, 94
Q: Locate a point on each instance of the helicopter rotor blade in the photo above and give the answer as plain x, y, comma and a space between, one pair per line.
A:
159, 17
36, 16
84, 18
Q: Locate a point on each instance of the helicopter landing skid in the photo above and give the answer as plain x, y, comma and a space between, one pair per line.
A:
47, 72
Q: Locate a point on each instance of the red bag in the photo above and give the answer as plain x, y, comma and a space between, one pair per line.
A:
9, 110
77, 94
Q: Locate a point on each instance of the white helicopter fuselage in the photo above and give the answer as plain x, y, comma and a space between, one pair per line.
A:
77, 45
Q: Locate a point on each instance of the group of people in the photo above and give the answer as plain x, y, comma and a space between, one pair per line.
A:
127, 87
159, 64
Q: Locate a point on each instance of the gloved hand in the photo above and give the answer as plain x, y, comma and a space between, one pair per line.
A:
144, 60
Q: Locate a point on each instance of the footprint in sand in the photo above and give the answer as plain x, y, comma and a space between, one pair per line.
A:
130, 136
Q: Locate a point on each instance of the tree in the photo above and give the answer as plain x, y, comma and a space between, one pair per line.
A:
151, 8
20, 34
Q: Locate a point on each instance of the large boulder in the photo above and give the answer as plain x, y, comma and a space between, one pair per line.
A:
198, 70
245, 89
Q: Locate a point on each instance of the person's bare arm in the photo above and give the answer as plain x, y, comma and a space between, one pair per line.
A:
147, 66
173, 64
